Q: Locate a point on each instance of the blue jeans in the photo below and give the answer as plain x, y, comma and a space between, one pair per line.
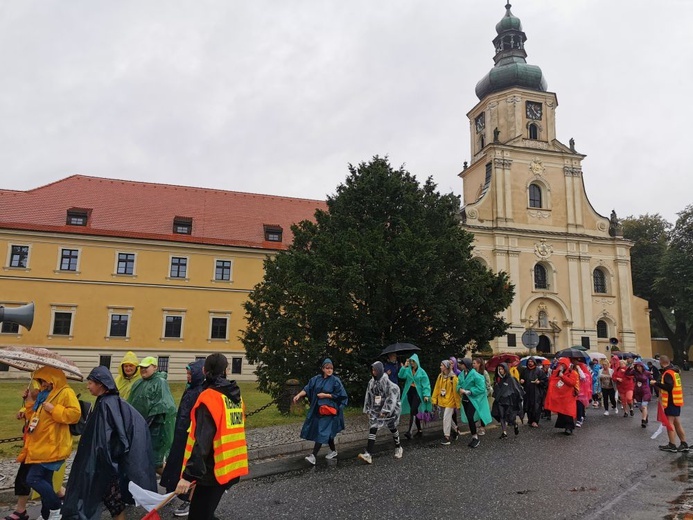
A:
41, 480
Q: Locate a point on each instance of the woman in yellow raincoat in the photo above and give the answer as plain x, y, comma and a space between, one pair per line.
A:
48, 441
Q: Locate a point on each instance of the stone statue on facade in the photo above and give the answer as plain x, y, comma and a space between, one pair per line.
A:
615, 227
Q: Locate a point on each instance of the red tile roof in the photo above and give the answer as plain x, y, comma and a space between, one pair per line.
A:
146, 210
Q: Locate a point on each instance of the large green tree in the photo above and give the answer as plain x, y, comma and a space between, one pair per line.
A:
662, 268
387, 262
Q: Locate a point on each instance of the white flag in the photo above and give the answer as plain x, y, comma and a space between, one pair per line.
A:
145, 498
659, 430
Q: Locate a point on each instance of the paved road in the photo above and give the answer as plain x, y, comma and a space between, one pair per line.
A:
610, 469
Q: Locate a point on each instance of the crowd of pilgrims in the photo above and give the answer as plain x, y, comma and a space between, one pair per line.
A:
465, 392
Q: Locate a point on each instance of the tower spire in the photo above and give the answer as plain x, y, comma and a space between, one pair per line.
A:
511, 68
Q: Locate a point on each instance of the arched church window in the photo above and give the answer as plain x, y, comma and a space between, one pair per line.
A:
540, 278
533, 131
534, 196
602, 329
599, 281
543, 320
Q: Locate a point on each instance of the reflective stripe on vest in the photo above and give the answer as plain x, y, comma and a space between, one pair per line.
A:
230, 448
676, 392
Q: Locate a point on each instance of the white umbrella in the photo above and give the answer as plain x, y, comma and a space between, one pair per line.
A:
30, 359
597, 355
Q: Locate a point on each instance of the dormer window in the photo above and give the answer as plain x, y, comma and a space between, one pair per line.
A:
77, 217
182, 225
273, 233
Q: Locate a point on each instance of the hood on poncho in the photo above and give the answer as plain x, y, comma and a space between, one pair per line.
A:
415, 359
455, 367
378, 370
197, 377
102, 375
467, 363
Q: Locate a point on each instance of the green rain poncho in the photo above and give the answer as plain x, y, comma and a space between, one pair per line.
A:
421, 382
152, 398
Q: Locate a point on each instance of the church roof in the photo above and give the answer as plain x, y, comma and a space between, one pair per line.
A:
511, 69
143, 210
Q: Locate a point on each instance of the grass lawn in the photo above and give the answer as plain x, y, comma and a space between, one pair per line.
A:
11, 401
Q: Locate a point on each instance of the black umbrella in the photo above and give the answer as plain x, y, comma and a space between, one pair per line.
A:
399, 347
573, 353
624, 355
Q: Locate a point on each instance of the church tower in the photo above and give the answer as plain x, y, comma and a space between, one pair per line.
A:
525, 201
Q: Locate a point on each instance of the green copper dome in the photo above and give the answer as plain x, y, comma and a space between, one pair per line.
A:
509, 21
511, 69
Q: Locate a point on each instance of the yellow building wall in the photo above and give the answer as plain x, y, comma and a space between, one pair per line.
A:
95, 291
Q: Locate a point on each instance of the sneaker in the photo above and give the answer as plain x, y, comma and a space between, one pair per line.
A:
474, 443
632, 413
407, 435
16, 515
643, 423
366, 457
516, 429
445, 441
481, 431
578, 424
54, 514
606, 413
568, 431
625, 414
311, 458
398, 452
503, 436
182, 509
669, 447
683, 447
331, 455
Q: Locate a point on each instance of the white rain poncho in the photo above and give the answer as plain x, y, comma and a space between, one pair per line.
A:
382, 403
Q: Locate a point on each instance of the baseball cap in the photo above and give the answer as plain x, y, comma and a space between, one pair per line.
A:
149, 360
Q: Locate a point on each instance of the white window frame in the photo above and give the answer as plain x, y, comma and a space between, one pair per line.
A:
60, 260
186, 278
62, 308
214, 270
219, 314
9, 257
112, 309
115, 265
173, 312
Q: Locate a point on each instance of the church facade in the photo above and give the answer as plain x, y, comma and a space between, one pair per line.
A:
525, 201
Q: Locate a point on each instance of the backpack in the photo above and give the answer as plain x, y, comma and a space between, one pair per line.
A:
77, 429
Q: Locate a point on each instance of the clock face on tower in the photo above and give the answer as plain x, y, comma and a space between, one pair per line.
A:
480, 122
533, 110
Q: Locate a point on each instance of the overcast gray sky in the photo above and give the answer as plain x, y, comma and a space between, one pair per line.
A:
278, 96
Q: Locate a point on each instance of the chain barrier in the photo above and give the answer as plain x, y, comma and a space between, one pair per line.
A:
262, 408
12, 439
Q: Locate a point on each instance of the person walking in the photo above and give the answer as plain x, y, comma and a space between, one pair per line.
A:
392, 366
128, 374
585, 391
445, 396
671, 396
114, 449
325, 418
561, 395
642, 394
607, 384
507, 400
383, 408
625, 386
171, 474
417, 393
533, 382
596, 369
151, 396
479, 365
48, 441
472, 389
216, 452
546, 368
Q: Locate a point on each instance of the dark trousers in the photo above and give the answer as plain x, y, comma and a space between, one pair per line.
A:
469, 411
205, 500
580, 411
317, 446
609, 394
41, 479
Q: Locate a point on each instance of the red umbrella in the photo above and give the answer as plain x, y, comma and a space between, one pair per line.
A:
510, 359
